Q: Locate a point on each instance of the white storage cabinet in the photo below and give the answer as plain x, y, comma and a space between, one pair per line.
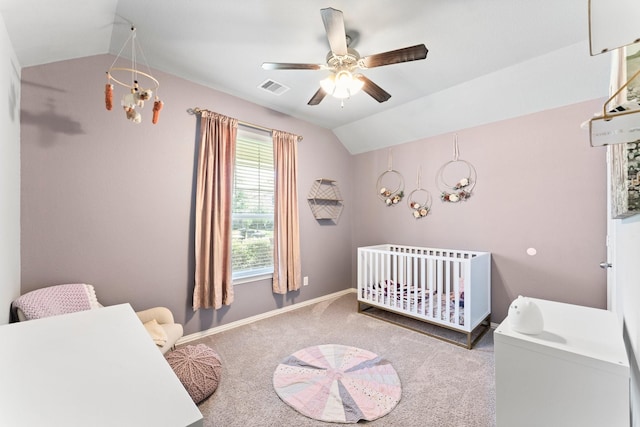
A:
574, 373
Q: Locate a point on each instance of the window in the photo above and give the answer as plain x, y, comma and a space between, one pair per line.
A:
253, 205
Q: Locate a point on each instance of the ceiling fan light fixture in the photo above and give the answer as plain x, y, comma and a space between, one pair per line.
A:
328, 84
342, 61
341, 85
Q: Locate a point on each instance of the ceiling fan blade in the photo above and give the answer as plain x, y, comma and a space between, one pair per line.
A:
334, 26
406, 54
317, 97
289, 66
373, 89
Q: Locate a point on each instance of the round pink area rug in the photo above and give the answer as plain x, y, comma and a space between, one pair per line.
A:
337, 383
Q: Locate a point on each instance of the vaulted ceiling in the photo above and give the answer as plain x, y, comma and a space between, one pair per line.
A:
497, 50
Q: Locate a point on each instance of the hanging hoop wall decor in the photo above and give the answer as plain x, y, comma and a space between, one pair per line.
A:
419, 200
460, 187
140, 88
390, 185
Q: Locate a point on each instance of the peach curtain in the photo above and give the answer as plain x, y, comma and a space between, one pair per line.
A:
213, 283
286, 245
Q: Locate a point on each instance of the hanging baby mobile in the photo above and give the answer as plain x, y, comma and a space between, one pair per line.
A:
419, 200
139, 88
456, 178
390, 185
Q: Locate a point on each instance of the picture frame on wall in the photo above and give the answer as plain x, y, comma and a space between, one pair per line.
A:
625, 179
633, 65
625, 158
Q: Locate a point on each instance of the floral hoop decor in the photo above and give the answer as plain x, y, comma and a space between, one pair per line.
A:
419, 200
419, 209
461, 190
391, 196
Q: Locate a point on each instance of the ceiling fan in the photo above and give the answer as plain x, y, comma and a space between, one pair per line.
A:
343, 61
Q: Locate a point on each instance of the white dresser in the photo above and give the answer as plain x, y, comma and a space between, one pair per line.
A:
574, 373
92, 368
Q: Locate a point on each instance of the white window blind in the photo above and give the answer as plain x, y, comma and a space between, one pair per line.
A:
253, 205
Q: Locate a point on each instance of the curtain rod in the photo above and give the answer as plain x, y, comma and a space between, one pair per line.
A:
198, 110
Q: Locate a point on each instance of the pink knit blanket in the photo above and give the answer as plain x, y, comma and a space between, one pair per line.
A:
58, 299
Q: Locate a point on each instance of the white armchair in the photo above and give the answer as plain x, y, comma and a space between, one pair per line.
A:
167, 332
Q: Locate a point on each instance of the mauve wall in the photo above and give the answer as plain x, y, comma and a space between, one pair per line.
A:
540, 185
108, 202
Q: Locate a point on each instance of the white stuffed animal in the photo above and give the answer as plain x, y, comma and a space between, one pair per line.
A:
133, 115
128, 101
141, 96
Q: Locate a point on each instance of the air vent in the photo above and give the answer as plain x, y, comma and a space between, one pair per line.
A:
274, 87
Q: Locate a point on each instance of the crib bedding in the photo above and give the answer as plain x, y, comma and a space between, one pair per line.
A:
413, 300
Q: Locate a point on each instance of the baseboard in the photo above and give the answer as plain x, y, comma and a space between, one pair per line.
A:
248, 320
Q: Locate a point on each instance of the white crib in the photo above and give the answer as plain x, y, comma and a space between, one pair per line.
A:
444, 287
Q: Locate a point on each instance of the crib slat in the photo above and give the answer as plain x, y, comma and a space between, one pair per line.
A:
468, 294
408, 281
366, 271
379, 276
414, 282
402, 277
375, 259
433, 268
368, 276
404, 284
439, 289
369, 270
456, 292
423, 291
447, 292
394, 279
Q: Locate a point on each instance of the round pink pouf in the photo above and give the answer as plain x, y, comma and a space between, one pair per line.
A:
198, 368
337, 383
